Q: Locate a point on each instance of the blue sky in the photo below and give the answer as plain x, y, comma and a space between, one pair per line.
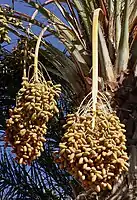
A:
19, 6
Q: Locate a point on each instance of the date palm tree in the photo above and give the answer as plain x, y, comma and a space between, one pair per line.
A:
72, 26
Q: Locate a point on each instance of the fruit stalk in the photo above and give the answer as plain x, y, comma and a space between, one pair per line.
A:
37, 52
95, 62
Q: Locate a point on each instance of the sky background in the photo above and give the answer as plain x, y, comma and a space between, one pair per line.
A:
19, 6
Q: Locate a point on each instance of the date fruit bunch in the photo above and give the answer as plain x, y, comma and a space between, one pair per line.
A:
3, 30
95, 157
35, 106
24, 47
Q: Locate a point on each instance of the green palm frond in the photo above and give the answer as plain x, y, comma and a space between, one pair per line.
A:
123, 49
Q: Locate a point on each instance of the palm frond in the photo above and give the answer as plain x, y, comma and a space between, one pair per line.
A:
123, 49
117, 22
16, 181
